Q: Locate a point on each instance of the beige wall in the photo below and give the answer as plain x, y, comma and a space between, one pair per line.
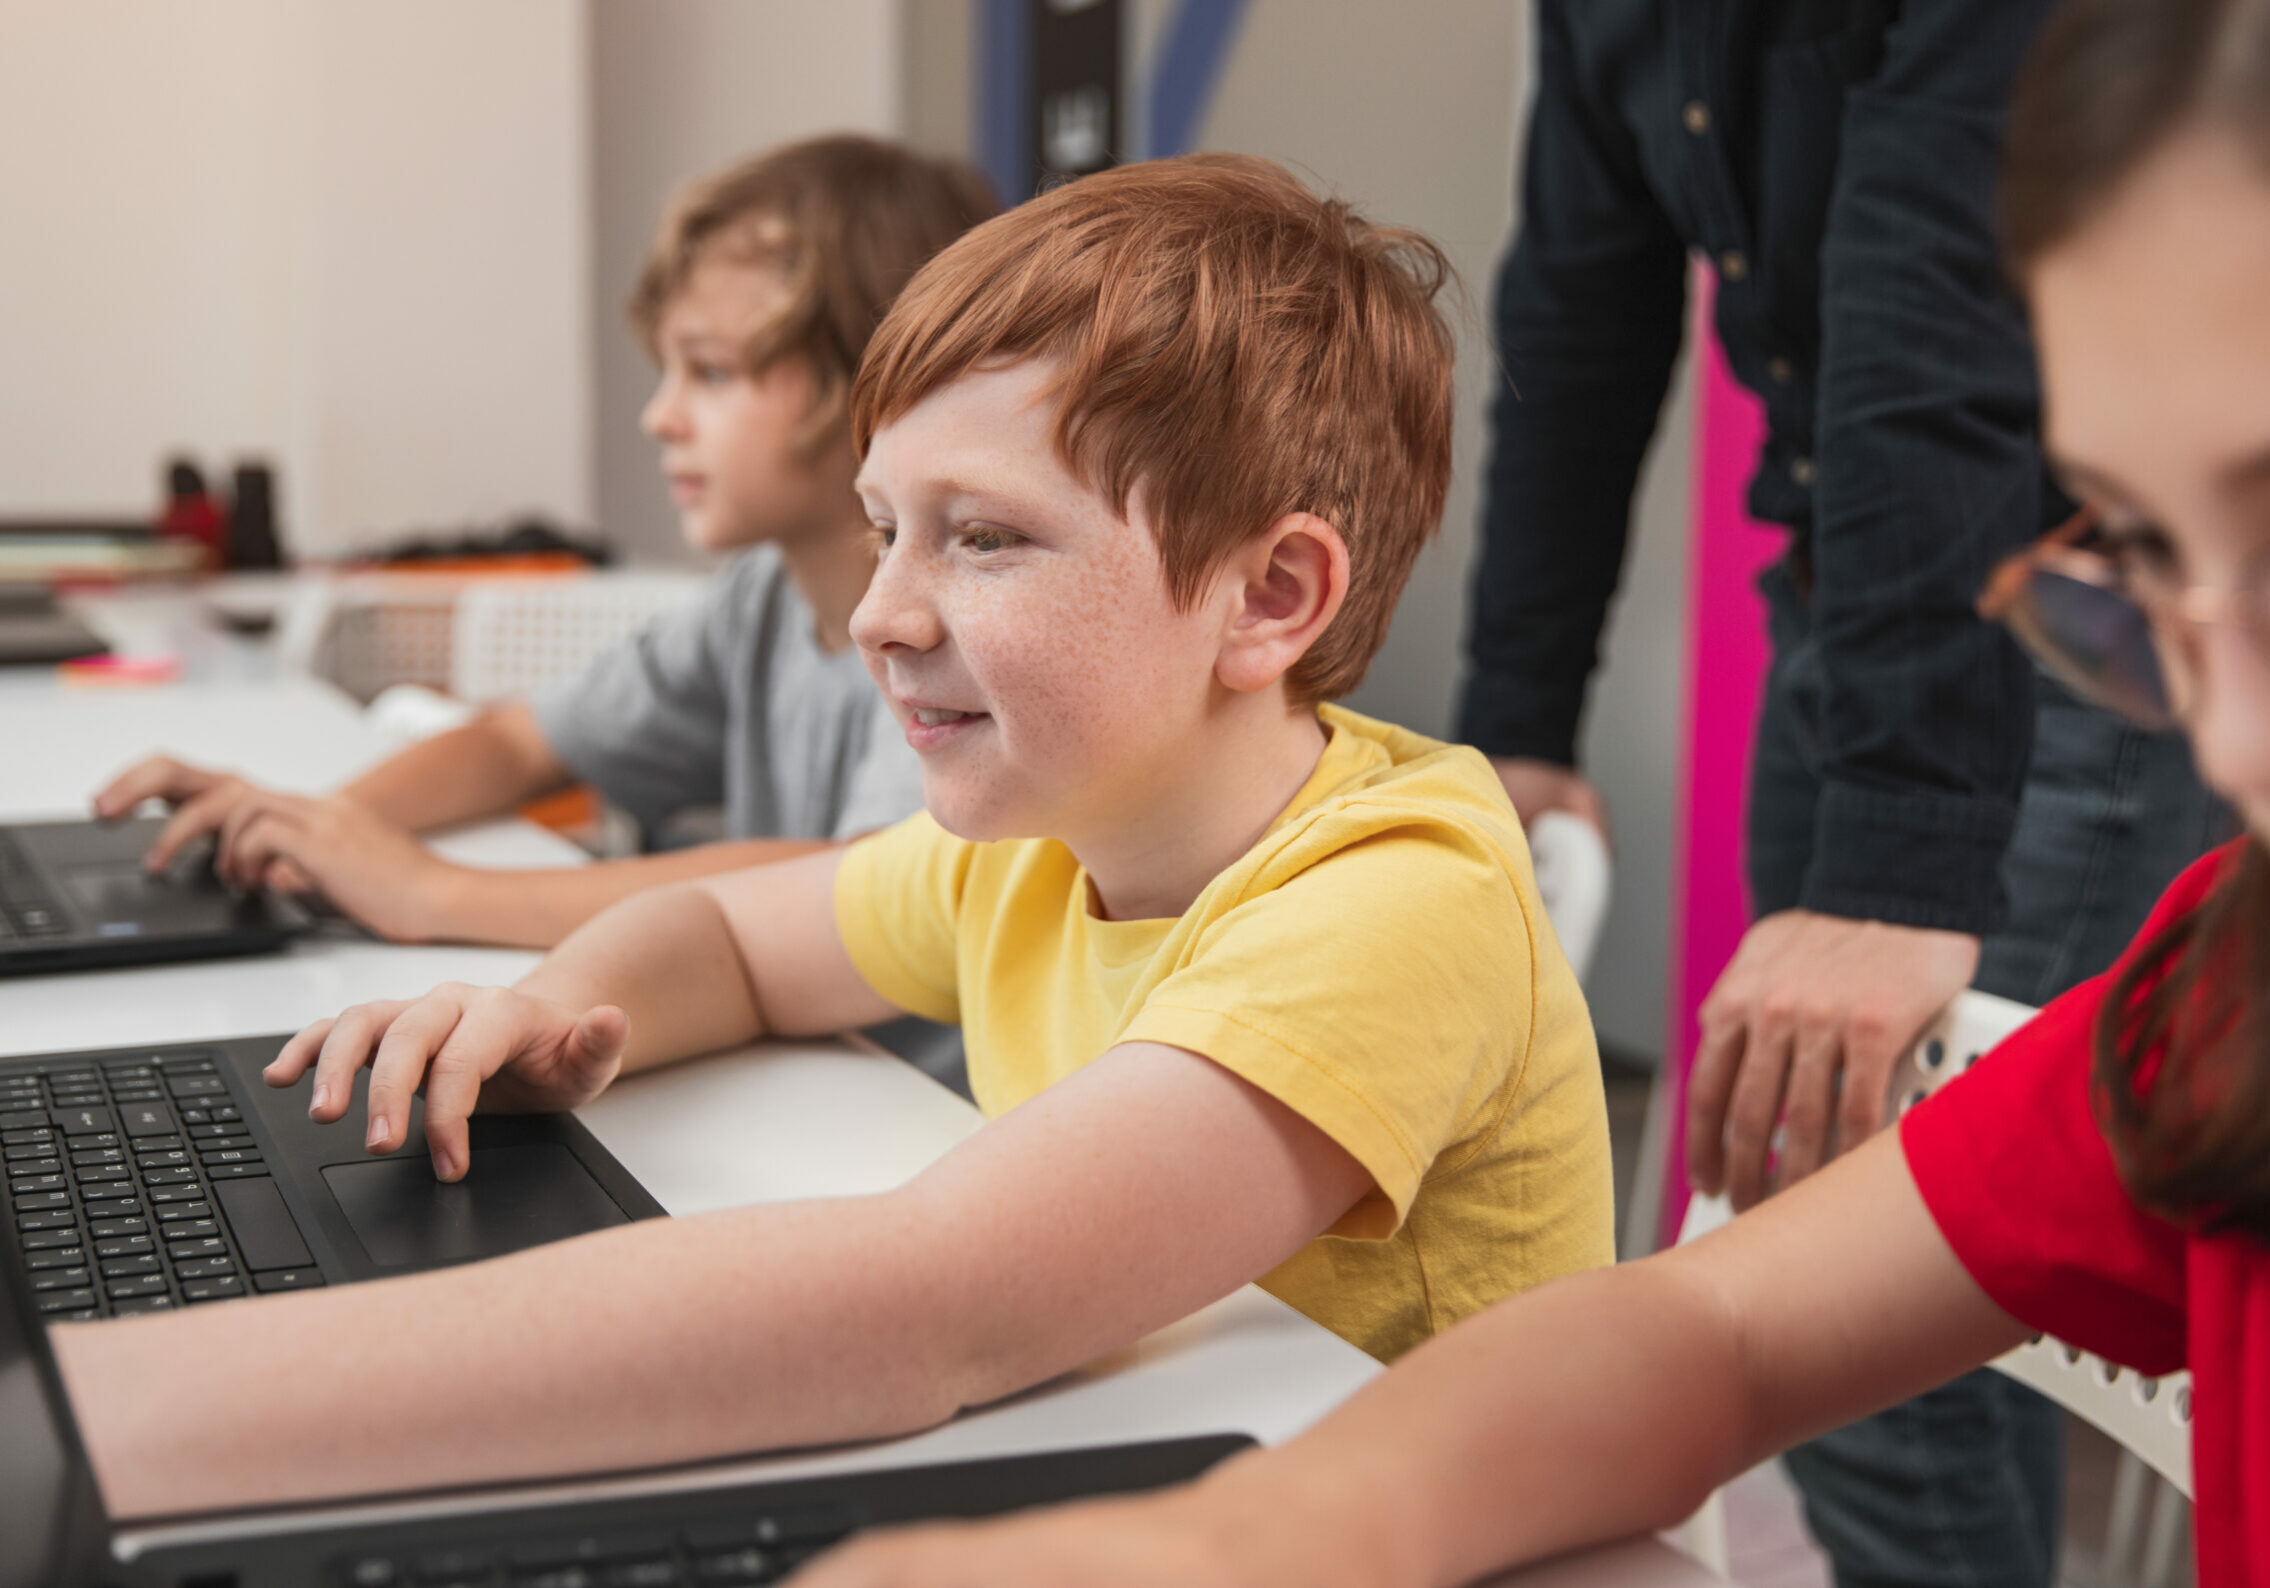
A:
680, 88
344, 235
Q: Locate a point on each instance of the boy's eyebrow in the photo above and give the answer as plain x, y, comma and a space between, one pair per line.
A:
2248, 474
952, 489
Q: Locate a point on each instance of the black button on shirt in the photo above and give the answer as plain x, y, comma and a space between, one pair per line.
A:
1837, 160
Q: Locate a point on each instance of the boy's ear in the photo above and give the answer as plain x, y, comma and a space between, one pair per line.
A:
1284, 587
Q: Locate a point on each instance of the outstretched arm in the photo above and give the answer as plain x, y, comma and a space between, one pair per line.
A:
1591, 1408
1147, 1185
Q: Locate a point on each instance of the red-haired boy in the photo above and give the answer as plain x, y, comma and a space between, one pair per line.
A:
1254, 988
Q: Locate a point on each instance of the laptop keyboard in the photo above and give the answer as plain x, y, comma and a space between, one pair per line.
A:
135, 1186
763, 1548
28, 912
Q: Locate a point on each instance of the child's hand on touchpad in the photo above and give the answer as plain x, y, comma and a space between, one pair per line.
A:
465, 1046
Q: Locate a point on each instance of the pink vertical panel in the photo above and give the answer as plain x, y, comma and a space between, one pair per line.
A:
1726, 656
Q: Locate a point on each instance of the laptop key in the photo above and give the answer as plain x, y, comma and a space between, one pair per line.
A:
24, 1119
215, 1155
263, 1226
187, 1191
26, 1135
194, 1117
134, 1304
66, 1300
135, 1285
127, 1246
126, 1267
175, 1175
190, 1251
557, 1577
121, 1208
41, 1201
203, 1268
45, 1248
60, 1279
112, 1229
662, 1573
45, 1163
142, 1118
288, 1279
174, 1158
84, 1121
61, 1219
218, 1132
103, 1173
184, 1220
214, 1289
237, 1171
746, 1565
22, 1185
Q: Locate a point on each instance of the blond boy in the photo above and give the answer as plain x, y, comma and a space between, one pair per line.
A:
756, 299
1255, 989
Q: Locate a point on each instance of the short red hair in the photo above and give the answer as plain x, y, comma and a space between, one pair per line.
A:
1230, 345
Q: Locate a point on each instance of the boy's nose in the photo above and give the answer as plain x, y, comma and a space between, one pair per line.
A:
662, 417
895, 611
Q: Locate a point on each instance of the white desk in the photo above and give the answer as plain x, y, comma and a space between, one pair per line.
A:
771, 1123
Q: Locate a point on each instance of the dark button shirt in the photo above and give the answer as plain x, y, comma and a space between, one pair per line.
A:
1836, 161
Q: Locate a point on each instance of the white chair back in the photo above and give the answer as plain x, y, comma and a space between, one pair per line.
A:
512, 635
1570, 860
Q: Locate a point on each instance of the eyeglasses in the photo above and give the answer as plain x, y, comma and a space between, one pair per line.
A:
2118, 630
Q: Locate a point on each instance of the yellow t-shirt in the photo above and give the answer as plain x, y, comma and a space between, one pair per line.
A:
1378, 961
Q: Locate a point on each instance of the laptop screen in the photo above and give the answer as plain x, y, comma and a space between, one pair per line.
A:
51, 1525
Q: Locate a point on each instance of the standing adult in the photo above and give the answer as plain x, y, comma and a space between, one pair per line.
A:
1927, 811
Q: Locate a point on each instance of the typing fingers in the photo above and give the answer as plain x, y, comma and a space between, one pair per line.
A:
487, 1035
256, 826
266, 838
197, 814
402, 1057
292, 1062
160, 777
343, 1050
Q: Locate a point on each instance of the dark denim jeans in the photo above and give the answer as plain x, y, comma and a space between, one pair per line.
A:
1965, 1485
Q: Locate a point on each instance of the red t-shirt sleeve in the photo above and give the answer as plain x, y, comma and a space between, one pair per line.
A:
2023, 1186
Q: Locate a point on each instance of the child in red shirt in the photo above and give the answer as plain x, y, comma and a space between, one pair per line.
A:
2104, 1176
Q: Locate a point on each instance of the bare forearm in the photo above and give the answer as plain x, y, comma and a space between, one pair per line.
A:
495, 762
1612, 1402
1599, 1406
666, 958
537, 909
660, 1343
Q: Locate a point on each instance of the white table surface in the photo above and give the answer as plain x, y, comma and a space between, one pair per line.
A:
776, 1122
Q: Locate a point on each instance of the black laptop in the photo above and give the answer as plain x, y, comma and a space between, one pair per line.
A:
141, 1179
151, 1178
73, 896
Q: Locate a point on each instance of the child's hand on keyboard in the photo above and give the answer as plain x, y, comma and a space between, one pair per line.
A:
466, 1046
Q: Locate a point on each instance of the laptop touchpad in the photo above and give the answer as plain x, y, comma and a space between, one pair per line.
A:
513, 1197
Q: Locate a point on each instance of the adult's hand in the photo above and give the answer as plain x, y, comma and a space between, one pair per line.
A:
1802, 1031
1536, 787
